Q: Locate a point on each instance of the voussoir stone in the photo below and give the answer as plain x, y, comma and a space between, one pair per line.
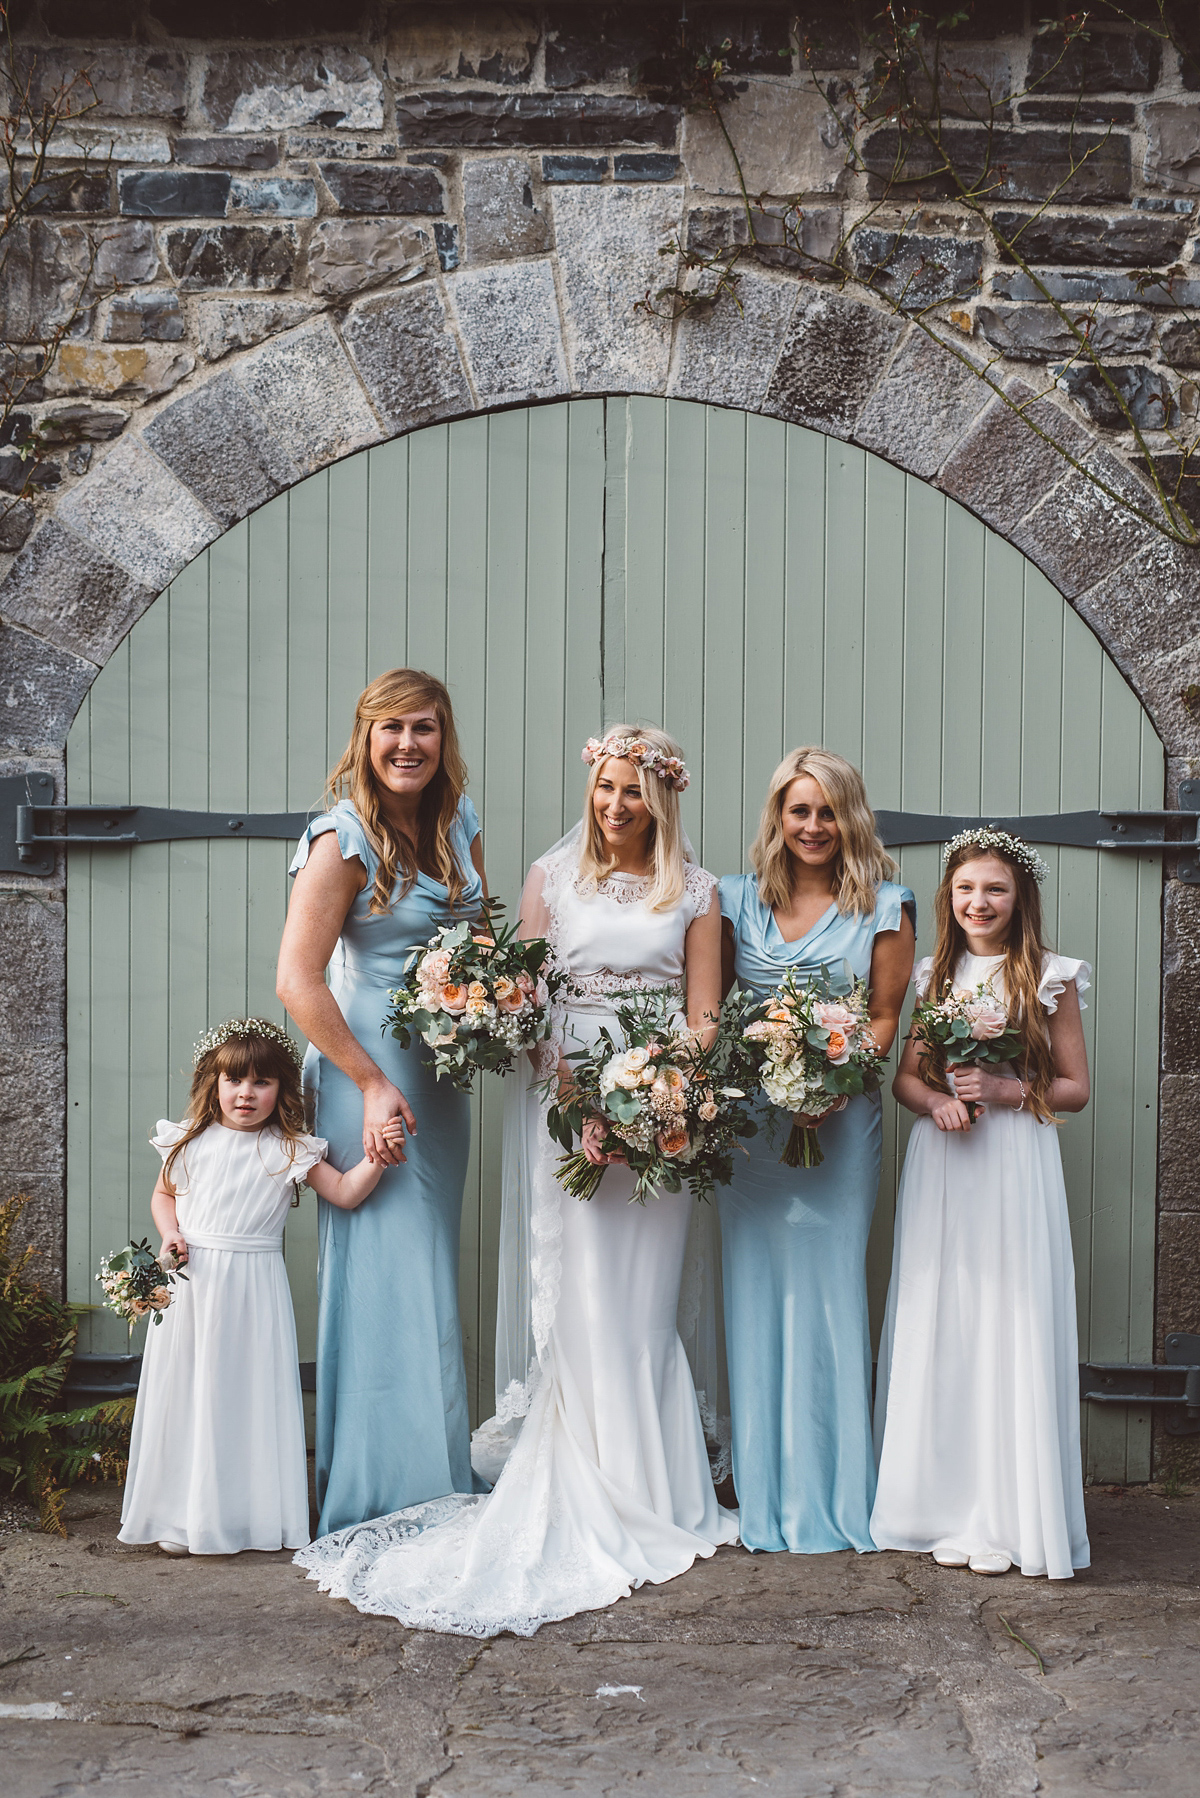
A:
41, 688
510, 328
212, 256
1149, 607
363, 187
407, 357
499, 216
609, 241
787, 139
225, 325
345, 256
271, 89
461, 43
133, 510
1002, 469
305, 387
217, 443
62, 588
922, 407
835, 352
728, 356
1080, 534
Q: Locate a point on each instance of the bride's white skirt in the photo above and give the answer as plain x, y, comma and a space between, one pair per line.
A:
977, 1410
607, 1485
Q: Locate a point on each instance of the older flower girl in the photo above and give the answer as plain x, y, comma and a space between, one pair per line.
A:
216, 1461
977, 1409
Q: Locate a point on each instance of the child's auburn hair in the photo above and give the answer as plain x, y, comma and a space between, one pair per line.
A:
1023, 954
249, 1052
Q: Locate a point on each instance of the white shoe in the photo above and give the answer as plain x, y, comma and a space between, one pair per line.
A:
950, 1557
175, 1548
990, 1563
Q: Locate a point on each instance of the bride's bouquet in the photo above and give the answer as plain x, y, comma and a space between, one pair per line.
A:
475, 997
137, 1283
672, 1110
962, 1029
813, 1048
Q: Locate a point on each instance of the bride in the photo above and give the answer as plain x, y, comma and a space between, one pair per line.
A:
602, 1480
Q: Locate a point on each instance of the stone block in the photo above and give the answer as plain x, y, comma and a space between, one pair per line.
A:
647, 165
119, 371
922, 407
805, 239
101, 145
305, 387
347, 256
361, 188
1037, 334
828, 36
609, 239
1148, 395
17, 518
81, 423
125, 256
1172, 158
225, 325
41, 689
32, 1093
1181, 979
1149, 608
71, 191
575, 170
272, 89
62, 588
728, 357
42, 1224
1180, 342
134, 511
1179, 1143
461, 43
834, 354
787, 139
521, 121
1003, 469
1096, 62
445, 236
227, 152
127, 82
1177, 1298
274, 197
217, 443
1135, 239
1171, 291
43, 278
348, 149
152, 315
508, 320
212, 256
407, 357
1079, 534
916, 269
1023, 165
32, 968
613, 44
173, 193
499, 216
1076, 112
1164, 684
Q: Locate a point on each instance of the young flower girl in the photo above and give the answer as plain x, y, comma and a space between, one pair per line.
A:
216, 1462
977, 1406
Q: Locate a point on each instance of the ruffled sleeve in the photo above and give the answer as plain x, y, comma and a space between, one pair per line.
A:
921, 973
351, 836
1057, 972
731, 890
468, 818
891, 902
166, 1135
309, 1150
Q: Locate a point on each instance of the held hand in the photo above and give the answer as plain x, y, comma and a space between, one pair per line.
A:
174, 1251
951, 1114
979, 1087
385, 1104
804, 1121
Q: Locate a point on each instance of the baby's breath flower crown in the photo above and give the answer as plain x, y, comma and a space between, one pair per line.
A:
670, 768
991, 838
245, 1029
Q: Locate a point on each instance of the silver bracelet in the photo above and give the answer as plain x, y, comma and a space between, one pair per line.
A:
1024, 1095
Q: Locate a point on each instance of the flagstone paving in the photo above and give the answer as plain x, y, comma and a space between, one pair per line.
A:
818, 1677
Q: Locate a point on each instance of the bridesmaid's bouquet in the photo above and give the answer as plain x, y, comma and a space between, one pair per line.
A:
813, 1048
137, 1283
475, 997
672, 1110
962, 1029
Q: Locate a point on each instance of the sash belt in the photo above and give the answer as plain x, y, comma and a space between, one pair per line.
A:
243, 1245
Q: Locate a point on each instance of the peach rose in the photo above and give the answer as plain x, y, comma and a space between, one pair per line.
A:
159, 1299
672, 1140
453, 998
477, 990
836, 1017
435, 968
512, 1000
837, 1049
987, 1022
708, 1108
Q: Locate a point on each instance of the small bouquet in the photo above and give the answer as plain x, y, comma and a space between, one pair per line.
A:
813, 1047
673, 1110
475, 997
961, 1029
137, 1282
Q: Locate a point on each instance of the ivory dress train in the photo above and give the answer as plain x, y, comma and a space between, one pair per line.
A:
602, 1473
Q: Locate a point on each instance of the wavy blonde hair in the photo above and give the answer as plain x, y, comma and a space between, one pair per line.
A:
391, 695
862, 861
667, 854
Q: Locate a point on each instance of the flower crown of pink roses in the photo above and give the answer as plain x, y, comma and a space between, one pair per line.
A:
991, 838
669, 768
245, 1030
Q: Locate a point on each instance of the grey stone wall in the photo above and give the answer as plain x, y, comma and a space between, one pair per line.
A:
276, 250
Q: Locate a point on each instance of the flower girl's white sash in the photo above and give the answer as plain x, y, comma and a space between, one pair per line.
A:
242, 1245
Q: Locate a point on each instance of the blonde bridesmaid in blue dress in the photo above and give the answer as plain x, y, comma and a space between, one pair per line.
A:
794, 1239
397, 854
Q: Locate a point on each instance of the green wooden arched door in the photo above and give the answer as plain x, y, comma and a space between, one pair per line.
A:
750, 584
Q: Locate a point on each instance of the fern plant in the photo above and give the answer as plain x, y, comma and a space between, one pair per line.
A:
44, 1449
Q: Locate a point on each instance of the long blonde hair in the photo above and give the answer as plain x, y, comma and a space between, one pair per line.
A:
862, 861
391, 695
1023, 954
667, 855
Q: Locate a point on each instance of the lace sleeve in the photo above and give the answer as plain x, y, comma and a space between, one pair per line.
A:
699, 885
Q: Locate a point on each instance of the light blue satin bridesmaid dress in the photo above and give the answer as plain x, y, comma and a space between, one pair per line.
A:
793, 1250
392, 1425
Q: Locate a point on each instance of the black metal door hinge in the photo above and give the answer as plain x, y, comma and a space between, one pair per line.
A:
1143, 1385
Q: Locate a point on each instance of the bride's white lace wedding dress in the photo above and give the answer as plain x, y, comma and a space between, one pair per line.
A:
598, 1453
